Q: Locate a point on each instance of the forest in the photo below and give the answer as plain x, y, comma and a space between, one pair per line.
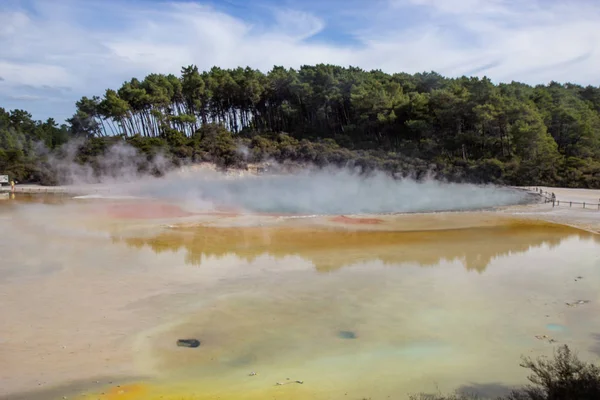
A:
417, 125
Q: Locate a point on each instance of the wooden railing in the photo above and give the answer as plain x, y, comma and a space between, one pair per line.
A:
33, 190
549, 197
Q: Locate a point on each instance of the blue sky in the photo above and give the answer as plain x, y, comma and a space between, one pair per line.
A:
55, 51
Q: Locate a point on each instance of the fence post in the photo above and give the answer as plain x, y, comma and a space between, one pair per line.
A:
583, 204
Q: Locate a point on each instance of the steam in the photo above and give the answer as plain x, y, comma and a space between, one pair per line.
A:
327, 191
307, 191
243, 151
119, 163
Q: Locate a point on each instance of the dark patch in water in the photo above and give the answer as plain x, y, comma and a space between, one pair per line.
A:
347, 335
244, 360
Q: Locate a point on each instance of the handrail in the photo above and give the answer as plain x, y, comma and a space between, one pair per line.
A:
549, 197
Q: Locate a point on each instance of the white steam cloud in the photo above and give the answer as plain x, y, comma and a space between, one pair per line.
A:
326, 191
308, 191
119, 163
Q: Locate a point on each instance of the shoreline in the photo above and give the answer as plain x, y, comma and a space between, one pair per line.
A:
533, 208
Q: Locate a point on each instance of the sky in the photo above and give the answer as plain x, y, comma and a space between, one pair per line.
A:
53, 52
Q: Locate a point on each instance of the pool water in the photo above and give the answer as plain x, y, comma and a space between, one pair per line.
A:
286, 310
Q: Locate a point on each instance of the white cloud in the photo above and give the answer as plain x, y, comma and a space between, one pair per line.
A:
297, 25
25, 97
89, 47
460, 6
36, 74
533, 42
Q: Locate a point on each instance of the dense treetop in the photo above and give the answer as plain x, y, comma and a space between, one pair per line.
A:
460, 128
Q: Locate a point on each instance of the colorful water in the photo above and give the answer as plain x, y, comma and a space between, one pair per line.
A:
412, 304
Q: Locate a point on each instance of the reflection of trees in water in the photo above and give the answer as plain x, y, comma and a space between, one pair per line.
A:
331, 249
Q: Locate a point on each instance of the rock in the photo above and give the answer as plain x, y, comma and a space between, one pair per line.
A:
545, 337
347, 335
286, 383
577, 303
188, 343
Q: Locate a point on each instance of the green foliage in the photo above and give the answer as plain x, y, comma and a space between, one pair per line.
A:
460, 129
217, 145
467, 127
24, 143
563, 377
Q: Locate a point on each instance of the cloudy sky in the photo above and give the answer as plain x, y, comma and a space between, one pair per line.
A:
52, 52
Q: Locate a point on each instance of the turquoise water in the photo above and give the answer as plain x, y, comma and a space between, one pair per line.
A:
556, 327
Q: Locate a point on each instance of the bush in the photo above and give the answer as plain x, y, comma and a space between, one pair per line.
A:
563, 378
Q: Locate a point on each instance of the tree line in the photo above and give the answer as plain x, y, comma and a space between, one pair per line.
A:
463, 128
24, 142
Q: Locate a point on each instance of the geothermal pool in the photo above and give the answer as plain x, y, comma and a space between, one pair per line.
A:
95, 293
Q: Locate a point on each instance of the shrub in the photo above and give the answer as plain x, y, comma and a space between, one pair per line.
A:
563, 378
